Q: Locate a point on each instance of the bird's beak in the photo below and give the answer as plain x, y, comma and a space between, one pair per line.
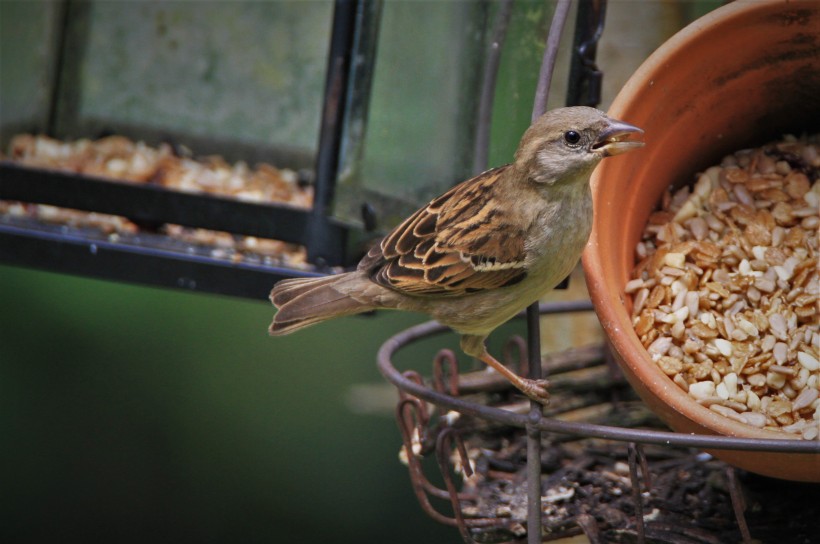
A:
612, 140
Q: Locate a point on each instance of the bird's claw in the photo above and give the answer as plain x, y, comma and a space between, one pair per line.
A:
536, 390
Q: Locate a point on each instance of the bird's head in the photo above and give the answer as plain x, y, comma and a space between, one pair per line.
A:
567, 143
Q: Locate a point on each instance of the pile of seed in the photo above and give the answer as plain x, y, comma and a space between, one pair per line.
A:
725, 292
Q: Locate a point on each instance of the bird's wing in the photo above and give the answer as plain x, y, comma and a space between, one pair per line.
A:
458, 244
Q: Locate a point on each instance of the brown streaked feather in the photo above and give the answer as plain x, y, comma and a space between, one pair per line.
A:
306, 301
287, 290
443, 249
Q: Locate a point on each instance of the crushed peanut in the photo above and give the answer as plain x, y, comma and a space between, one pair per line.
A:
119, 158
725, 290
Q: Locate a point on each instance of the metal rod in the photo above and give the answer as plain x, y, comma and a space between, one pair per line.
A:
59, 51
443, 444
632, 454
559, 18
321, 249
485, 102
585, 78
533, 433
738, 505
711, 442
405, 418
547, 69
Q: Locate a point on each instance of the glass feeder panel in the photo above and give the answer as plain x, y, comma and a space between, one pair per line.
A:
224, 72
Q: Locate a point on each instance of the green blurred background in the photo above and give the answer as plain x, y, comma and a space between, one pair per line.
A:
139, 414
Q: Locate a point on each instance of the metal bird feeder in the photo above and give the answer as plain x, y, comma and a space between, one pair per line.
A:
603, 467
149, 257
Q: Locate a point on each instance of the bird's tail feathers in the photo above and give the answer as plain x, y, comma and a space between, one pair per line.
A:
306, 301
287, 290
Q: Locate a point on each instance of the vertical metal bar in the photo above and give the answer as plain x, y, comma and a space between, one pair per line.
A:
637, 496
738, 505
644, 464
488, 84
357, 107
533, 434
59, 51
69, 49
321, 250
559, 18
584, 76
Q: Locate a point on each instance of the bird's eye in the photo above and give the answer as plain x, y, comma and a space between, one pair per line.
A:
572, 137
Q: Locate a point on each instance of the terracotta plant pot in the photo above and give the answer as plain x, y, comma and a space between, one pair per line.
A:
743, 75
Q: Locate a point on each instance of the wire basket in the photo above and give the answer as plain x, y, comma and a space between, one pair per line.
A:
596, 461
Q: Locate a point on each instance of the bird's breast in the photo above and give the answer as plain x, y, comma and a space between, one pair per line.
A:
559, 237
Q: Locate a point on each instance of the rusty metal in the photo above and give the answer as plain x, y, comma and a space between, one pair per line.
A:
445, 358
423, 416
409, 414
637, 495
434, 430
738, 504
443, 444
505, 417
421, 486
647, 476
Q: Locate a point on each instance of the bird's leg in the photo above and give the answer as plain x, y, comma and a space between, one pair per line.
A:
534, 389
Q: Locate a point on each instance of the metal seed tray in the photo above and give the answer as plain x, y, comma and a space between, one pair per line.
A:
448, 437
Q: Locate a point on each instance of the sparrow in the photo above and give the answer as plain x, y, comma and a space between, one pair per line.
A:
483, 251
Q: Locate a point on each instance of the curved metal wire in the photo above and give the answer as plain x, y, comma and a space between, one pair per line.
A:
402, 339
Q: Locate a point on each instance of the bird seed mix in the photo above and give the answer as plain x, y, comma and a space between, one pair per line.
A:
725, 290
